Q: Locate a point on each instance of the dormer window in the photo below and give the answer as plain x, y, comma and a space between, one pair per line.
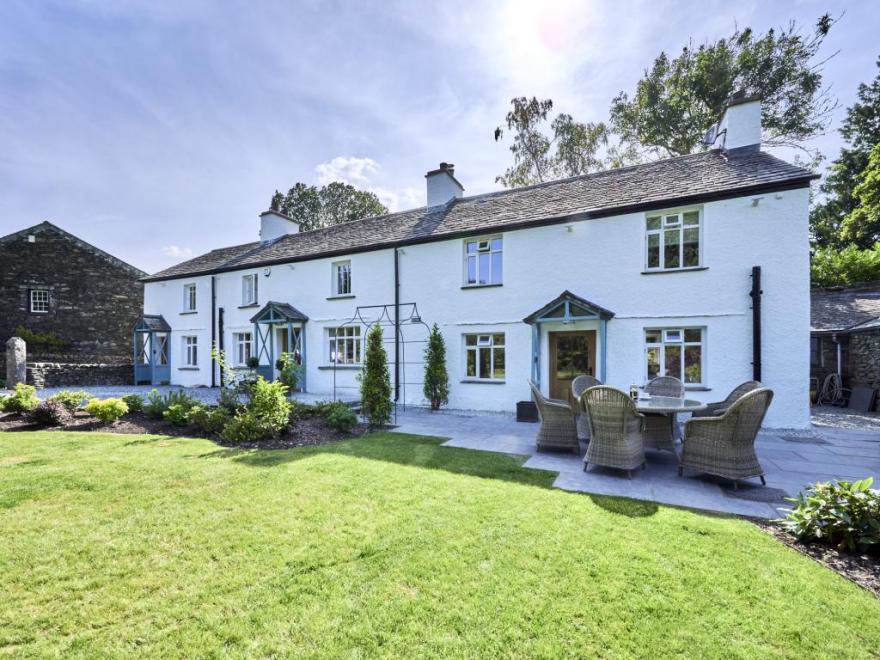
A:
189, 297
672, 240
249, 284
483, 262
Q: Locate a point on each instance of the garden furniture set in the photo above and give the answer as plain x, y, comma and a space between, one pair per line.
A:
717, 439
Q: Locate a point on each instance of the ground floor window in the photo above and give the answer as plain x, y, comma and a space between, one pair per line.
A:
816, 351
678, 352
190, 351
344, 345
242, 346
484, 356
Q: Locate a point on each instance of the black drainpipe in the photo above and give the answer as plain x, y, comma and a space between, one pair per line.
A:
220, 339
213, 325
756, 322
396, 325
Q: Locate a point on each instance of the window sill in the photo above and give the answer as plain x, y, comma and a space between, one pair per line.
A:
187, 368
249, 305
480, 286
340, 367
341, 297
33, 311
191, 311
666, 271
482, 381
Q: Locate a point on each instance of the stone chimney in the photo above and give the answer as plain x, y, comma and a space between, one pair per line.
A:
274, 224
442, 185
740, 127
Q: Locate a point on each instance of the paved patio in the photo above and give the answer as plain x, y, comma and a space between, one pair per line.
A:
791, 459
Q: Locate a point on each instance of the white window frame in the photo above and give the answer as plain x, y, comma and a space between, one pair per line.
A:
483, 245
341, 269
250, 285
670, 221
668, 338
242, 347
350, 339
190, 351
485, 341
190, 297
39, 303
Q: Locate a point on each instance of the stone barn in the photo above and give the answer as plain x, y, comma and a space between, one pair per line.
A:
73, 303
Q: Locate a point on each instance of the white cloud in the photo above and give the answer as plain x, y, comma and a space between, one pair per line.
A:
177, 252
348, 169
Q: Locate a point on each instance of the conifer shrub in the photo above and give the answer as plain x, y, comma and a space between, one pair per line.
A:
376, 405
436, 388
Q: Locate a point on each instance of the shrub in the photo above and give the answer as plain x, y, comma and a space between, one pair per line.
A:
72, 400
135, 402
209, 420
376, 403
229, 399
107, 410
244, 427
267, 413
436, 388
340, 417
155, 405
290, 371
22, 401
51, 412
177, 414
298, 410
46, 343
841, 513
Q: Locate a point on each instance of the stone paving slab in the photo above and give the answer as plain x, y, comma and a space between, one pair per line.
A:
807, 456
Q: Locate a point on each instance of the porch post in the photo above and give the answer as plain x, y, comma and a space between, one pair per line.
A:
602, 340
302, 353
536, 354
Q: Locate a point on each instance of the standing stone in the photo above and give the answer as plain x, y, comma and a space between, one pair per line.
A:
16, 362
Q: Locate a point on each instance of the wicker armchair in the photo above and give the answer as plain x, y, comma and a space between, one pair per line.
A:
615, 430
578, 386
725, 445
716, 409
558, 430
661, 431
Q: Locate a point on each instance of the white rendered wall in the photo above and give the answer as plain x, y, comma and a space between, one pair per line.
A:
601, 260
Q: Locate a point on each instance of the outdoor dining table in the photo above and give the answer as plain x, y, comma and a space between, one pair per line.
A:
668, 406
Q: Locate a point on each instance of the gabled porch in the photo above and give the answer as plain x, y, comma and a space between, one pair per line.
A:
279, 328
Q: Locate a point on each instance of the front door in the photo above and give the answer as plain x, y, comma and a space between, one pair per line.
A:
571, 354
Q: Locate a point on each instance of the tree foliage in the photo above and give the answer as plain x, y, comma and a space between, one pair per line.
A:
436, 387
679, 98
333, 204
376, 403
831, 266
571, 148
861, 131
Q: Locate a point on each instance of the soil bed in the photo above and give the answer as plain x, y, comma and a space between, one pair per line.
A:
863, 569
310, 430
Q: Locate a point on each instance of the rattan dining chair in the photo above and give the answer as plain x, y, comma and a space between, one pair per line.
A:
662, 430
725, 445
615, 430
578, 386
558, 430
717, 408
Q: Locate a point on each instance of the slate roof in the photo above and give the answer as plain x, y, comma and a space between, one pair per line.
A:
852, 309
567, 296
153, 323
680, 180
286, 310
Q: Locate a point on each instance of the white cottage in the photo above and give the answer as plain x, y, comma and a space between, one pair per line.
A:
696, 266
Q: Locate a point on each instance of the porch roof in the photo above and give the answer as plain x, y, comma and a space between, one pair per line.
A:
153, 323
567, 299
277, 311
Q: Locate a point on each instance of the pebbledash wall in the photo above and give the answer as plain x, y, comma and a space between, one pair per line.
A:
601, 260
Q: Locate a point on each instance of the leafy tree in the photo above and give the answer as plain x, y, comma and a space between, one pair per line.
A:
436, 386
333, 204
861, 131
679, 98
831, 266
573, 148
375, 380
862, 224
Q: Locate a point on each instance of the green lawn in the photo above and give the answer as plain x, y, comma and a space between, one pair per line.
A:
388, 545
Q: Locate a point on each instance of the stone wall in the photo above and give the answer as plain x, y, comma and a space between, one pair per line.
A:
60, 374
94, 299
864, 358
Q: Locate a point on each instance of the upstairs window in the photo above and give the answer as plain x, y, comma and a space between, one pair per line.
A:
189, 297
677, 352
672, 240
483, 262
484, 357
40, 301
342, 278
249, 285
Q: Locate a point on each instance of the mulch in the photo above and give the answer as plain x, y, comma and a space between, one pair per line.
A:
863, 569
309, 431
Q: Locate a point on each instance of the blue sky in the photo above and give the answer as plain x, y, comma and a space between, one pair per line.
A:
158, 130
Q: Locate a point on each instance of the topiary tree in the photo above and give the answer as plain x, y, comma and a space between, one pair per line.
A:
436, 387
375, 380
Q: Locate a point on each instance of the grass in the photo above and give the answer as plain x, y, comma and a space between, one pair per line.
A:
388, 545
